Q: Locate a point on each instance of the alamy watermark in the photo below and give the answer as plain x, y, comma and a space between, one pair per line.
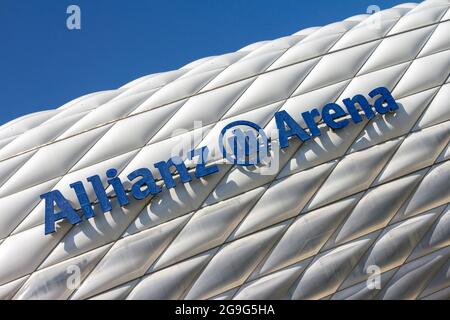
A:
373, 282
74, 279
73, 21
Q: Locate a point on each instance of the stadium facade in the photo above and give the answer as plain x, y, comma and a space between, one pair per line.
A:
360, 211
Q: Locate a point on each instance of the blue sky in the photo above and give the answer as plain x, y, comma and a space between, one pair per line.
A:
44, 65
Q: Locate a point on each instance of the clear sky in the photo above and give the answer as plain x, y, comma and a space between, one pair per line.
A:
44, 65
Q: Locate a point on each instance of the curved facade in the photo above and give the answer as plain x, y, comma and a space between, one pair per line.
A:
356, 213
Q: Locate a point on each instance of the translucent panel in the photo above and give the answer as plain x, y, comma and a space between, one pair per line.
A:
437, 237
106, 113
233, 264
327, 272
36, 137
424, 73
44, 285
436, 111
410, 42
294, 192
25, 123
306, 235
151, 82
328, 146
377, 207
418, 151
305, 50
439, 40
214, 63
172, 282
33, 245
271, 87
272, 287
295, 106
392, 247
412, 278
364, 165
18, 205
212, 105
388, 126
425, 13
362, 291
137, 129
432, 192
95, 232
8, 290
129, 258
336, 67
53, 161
243, 69
209, 227
9, 166
372, 28
177, 90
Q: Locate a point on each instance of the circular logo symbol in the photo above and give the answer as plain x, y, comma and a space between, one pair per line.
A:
242, 143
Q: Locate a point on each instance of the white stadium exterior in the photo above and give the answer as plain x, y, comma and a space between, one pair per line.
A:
356, 212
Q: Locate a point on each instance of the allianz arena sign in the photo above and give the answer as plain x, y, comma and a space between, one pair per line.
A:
237, 146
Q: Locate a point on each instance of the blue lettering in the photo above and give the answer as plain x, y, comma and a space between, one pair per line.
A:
337, 112
83, 199
245, 144
282, 118
67, 212
350, 104
308, 117
201, 170
117, 186
146, 180
97, 185
166, 174
385, 99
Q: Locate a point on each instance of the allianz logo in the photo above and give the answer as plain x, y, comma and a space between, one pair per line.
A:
241, 143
